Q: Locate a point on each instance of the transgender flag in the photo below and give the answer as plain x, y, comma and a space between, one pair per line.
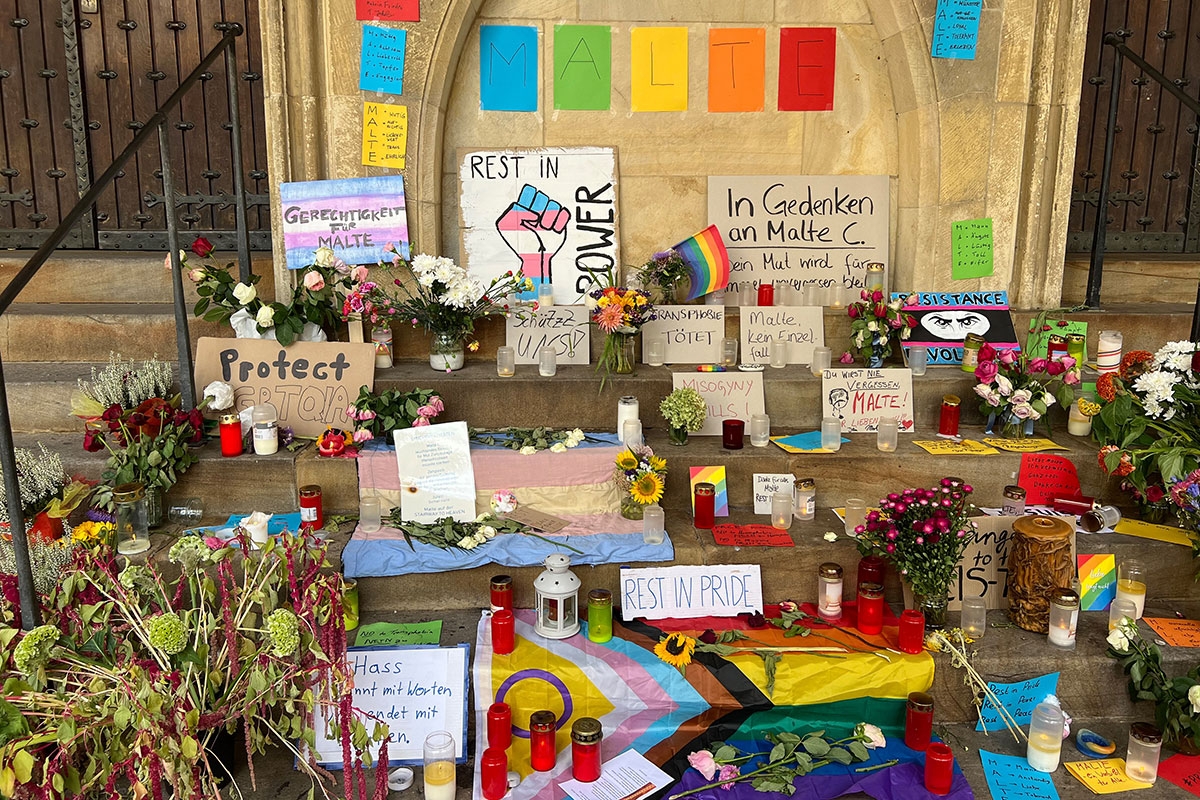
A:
707, 261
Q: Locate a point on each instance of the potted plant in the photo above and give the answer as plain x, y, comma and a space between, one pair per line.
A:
684, 410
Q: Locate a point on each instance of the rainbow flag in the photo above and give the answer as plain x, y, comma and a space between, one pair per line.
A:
707, 260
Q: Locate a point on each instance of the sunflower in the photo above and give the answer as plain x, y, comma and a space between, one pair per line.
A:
676, 649
658, 463
626, 460
647, 489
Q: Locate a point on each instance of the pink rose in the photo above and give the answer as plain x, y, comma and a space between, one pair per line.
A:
195, 275
703, 761
1067, 362
1006, 357
366, 415
389, 248
1055, 368
435, 403
426, 411
363, 435
986, 371
351, 411
1071, 379
846, 358
419, 421
876, 296
852, 311
313, 281
1037, 365
359, 274
729, 772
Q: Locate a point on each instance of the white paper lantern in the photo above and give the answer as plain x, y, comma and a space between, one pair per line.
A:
557, 591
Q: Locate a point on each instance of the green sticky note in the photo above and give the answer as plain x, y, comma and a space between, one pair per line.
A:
582, 67
386, 634
971, 249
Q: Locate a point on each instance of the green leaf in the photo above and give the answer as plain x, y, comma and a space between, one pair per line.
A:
189, 748
816, 746
778, 753
22, 764
839, 755
859, 750
725, 753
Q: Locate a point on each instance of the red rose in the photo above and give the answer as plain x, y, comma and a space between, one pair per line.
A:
910, 321
202, 247
876, 296
708, 637
987, 352
1155, 493
852, 311
880, 310
93, 441
112, 413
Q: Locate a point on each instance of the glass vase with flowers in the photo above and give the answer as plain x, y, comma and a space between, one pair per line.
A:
619, 312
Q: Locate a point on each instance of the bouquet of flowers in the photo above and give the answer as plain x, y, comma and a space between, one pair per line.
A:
641, 477
666, 270
1149, 426
1176, 700
1185, 498
620, 313
1018, 390
380, 414
312, 311
873, 323
923, 534
48, 496
685, 411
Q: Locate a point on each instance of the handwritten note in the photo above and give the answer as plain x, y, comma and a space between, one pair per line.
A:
414, 690
766, 484
692, 333
801, 327
1038, 343
1046, 477
357, 217
859, 397
688, 592
1031, 445
726, 396
508, 68
715, 476
1104, 776
1097, 581
983, 570
1148, 530
737, 59
382, 61
387, 634
1176, 632
807, 58
658, 63
1183, 771
949, 447
565, 328
385, 135
388, 10
751, 536
582, 67
956, 29
436, 476
971, 249
1018, 698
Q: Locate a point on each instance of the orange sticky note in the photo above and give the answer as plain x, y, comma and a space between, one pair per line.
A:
658, 69
737, 65
1176, 632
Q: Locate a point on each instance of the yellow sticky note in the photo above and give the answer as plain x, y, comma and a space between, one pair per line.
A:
385, 135
1148, 530
1104, 776
949, 447
659, 69
1031, 445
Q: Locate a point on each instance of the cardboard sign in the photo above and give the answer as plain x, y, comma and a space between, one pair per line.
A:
1104, 776
751, 536
565, 328
945, 318
730, 395
1176, 632
1047, 477
356, 217
956, 29
949, 447
1019, 699
1011, 778
715, 476
859, 397
766, 484
802, 327
413, 690
983, 570
390, 634
436, 476
690, 592
309, 383
1097, 581
551, 211
693, 333
814, 230
538, 520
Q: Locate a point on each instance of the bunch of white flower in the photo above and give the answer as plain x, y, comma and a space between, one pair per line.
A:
127, 384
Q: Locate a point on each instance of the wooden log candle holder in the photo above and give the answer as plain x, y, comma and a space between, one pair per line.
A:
1039, 561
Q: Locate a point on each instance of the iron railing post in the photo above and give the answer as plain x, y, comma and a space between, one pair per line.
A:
183, 340
31, 614
1100, 232
239, 179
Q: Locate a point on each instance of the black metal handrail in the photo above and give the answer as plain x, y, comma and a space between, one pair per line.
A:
156, 124
1096, 266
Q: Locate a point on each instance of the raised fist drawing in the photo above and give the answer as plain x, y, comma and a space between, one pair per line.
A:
535, 228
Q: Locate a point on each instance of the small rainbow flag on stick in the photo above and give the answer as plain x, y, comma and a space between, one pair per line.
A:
707, 261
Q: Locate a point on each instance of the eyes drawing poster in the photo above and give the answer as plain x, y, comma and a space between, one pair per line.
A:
945, 318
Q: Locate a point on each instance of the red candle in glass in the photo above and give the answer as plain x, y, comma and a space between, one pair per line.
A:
766, 294
312, 512
704, 498
542, 754
939, 768
870, 570
912, 631
918, 721
586, 734
230, 426
502, 592
870, 608
493, 773
948, 419
499, 726
733, 433
503, 632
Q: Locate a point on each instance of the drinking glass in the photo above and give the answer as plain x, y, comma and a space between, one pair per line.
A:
547, 362
856, 514
918, 360
887, 434
831, 434
779, 353
760, 430
974, 617
822, 357
656, 351
506, 361
370, 514
781, 510
729, 352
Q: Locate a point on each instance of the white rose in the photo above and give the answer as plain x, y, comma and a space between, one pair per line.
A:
577, 435
467, 543
874, 736
558, 447
221, 394
255, 526
1194, 698
528, 450
590, 302
479, 538
1022, 397
487, 532
244, 293
323, 257
1003, 386
1117, 639
830, 536
483, 517
872, 326
265, 317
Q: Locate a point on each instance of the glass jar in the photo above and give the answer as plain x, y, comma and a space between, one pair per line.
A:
973, 618
1014, 501
781, 510
499, 726
132, 526
912, 631
230, 427
627, 409
501, 591
804, 498
447, 352
1119, 610
971, 347
1131, 584
829, 591
382, 337
760, 430
949, 416
1099, 518
265, 420
1064, 616
766, 294
503, 632
887, 434
1076, 348
1108, 351
822, 358
875, 281
439, 776
918, 360
918, 721
1056, 346
1045, 737
733, 434
870, 608
831, 434
854, 514
312, 512
545, 294
370, 514
506, 361
1078, 423
586, 734
704, 498
547, 362
729, 352
779, 353
542, 753
493, 773
654, 351
939, 768
1141, 759
870, 570
600, 615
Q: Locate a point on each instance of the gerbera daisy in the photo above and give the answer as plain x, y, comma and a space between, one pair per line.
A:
676, 649
610, 317
626, 460
647, 489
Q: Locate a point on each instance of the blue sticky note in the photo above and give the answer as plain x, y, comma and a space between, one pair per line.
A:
1018, 698
1011, 778
805, 441
382, 60
508, 68
956, 29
